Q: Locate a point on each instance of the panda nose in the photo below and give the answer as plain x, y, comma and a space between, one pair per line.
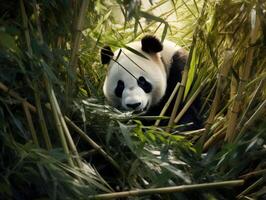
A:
133, 105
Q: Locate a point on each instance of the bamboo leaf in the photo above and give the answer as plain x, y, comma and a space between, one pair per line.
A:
135, 52
7, 41
191, 73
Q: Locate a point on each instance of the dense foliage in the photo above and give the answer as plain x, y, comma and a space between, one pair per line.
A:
59, 141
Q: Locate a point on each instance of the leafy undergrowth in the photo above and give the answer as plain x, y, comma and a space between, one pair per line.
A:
59, 141
150, 157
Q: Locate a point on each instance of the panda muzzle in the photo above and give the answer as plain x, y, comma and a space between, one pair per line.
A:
133, 106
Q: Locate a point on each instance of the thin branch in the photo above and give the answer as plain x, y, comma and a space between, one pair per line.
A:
10, 92
257, 91
30, 123
42, 121
254, 185
189, 103
92, 143
167, 103
252, 174
258, 113
214, 138
221, 84
181, 188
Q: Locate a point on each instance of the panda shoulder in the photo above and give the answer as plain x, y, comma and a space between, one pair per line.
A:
173, 56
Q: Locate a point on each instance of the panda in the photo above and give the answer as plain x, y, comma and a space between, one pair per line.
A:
141, 77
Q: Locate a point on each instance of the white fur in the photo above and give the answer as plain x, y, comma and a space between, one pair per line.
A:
152, 69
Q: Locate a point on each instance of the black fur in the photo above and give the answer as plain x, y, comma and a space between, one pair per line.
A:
150, 44
106, 54
119, 88
179, 60
144, 84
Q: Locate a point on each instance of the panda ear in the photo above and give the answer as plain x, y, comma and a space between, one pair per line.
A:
150, 44
106, 54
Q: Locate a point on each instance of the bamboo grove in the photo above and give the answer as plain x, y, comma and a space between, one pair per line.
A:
59, 140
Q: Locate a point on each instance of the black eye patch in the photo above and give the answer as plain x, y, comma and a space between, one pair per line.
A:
145, 85
119, 88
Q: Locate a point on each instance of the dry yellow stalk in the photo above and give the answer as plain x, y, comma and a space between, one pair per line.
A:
214, 138
92, 143
10, 92
167, 104
66, 131
244, 75
25, 26
221, 84
58, 123
75, 47
261, 111
165, 190
30, 123
44, 131
191, 100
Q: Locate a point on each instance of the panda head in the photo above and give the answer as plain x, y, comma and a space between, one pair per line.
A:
135, 81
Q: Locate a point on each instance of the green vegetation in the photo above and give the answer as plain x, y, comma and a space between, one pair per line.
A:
59, 141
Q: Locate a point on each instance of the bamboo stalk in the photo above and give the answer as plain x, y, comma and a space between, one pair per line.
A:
10, 92
58, 124
68, 121
214, 138
186, 68
207, 98
44, 129
261, 84
252, 174
92, 143
193, 133
37, 99
191, 100
75, 47
167, 104
36, 13
66, 131
258, 113
26, 33
30, 123
25, 26
233, 92
221, 84
36, 91
163, 190
28, 42
244, 75
250, 188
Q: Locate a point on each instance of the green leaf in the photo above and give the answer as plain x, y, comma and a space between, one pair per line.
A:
151, 17
191, 73
7, 41
166, 26
136, 52
126, 133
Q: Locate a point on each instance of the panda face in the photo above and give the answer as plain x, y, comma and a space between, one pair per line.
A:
134, 83
131, 88
134, 96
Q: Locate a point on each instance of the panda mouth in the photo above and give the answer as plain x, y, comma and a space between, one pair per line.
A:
143, 110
